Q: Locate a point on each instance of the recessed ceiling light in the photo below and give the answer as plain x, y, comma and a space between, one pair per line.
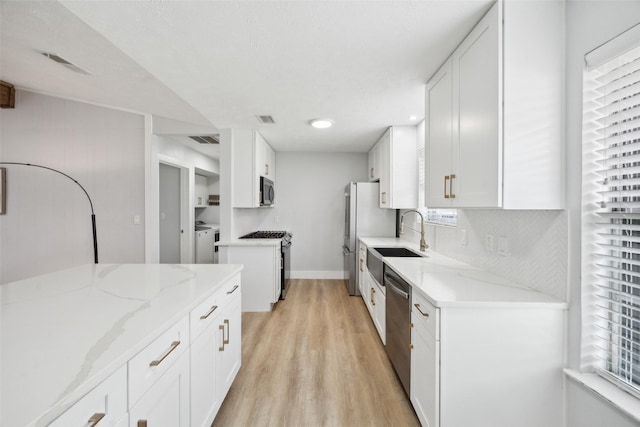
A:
412, 118
321, 123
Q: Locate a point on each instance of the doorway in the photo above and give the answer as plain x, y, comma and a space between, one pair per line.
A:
169, 203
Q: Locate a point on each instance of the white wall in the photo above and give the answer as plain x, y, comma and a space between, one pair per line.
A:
310, 204
48, 224
589, 24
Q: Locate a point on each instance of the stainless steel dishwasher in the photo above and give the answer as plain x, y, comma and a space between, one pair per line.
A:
398, 313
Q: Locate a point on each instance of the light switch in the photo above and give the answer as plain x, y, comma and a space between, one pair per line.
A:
489, 242
503, 246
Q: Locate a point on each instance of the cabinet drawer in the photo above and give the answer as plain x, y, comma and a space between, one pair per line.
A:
426, 314
106, 404
228, 291
147, 366
204, 315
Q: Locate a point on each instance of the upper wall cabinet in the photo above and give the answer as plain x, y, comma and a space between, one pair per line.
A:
393, 162
494, 110
252, 158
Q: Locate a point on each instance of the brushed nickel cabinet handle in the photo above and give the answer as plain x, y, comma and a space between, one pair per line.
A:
142, 423
156, 362
204, 316
446, 178
451, 194
95, 419
371, 173
221, 327
361, 262
421, 312
384, 197
232, 290
226, 341
266, 169
373, 291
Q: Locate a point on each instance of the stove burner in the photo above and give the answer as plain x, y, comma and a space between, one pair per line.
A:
265, 235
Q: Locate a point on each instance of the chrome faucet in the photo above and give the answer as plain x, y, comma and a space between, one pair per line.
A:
423, 243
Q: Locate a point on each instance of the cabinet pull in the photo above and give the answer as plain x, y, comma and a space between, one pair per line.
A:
95, 419
226, 341
361, 262
446, 178
451, 194
384, 197
266, 169
221, 327
204, 316
142, 423
174, 345
232, 290
373, 291
421, 312
371, 172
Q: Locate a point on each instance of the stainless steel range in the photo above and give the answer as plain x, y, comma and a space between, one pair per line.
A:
285, 266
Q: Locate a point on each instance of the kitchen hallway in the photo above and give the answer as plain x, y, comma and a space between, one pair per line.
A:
316, 360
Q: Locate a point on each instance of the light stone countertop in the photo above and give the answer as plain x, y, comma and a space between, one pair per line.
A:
63, 333
447, 282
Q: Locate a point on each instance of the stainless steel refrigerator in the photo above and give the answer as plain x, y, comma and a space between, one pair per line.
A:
363, 218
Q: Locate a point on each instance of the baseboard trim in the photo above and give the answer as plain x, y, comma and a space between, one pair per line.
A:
322, 274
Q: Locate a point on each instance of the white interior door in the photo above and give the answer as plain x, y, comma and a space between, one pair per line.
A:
170, 230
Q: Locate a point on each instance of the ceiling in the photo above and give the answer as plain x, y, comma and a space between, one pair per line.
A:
219, 64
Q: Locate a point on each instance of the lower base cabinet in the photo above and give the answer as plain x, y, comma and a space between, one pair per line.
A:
166, 404
229, 350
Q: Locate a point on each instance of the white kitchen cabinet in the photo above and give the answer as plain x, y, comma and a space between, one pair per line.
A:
200, 190
166, 404
229, 344
362, 267
497, 102
501, 363
252, 158
212, 370
378, 303
374, 163
106, 404
261, 277
398, 166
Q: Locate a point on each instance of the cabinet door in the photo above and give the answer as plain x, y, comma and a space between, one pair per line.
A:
277, 280
439, 137
166, 404
385, 169
362, 268
270, 162
380, 313
228, 346
425, 378
478, 137
374, 163
204, 399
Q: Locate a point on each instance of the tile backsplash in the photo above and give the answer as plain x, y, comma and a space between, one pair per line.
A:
537, 245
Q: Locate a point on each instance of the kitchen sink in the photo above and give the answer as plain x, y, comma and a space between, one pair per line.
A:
397, 252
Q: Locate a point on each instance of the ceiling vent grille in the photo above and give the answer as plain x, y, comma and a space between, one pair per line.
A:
69, 65
266, 120
206, 139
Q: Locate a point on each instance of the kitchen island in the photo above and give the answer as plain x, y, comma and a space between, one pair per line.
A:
67, 332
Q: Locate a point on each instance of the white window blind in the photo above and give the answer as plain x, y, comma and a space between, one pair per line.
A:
611, 220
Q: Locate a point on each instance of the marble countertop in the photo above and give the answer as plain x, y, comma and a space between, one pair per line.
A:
447, 282
65, 332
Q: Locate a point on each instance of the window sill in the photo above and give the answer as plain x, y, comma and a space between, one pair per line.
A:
616, 397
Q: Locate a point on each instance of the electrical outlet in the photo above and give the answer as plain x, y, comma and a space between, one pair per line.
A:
489, 242
503, 246
463, 237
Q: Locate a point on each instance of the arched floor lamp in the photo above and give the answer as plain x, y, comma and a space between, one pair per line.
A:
93, 216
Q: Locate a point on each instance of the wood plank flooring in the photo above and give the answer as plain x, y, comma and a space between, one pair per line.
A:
316, 360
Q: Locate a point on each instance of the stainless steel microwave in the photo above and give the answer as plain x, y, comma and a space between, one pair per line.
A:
267, 192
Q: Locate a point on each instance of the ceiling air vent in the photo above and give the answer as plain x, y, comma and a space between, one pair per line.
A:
69, 65
266, 120
206, 139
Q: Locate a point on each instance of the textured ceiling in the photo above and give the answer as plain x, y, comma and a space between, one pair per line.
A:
361, 63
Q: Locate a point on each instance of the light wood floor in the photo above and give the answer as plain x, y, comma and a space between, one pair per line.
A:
316, 360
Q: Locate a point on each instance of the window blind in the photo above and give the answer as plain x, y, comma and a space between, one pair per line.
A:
611, 224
